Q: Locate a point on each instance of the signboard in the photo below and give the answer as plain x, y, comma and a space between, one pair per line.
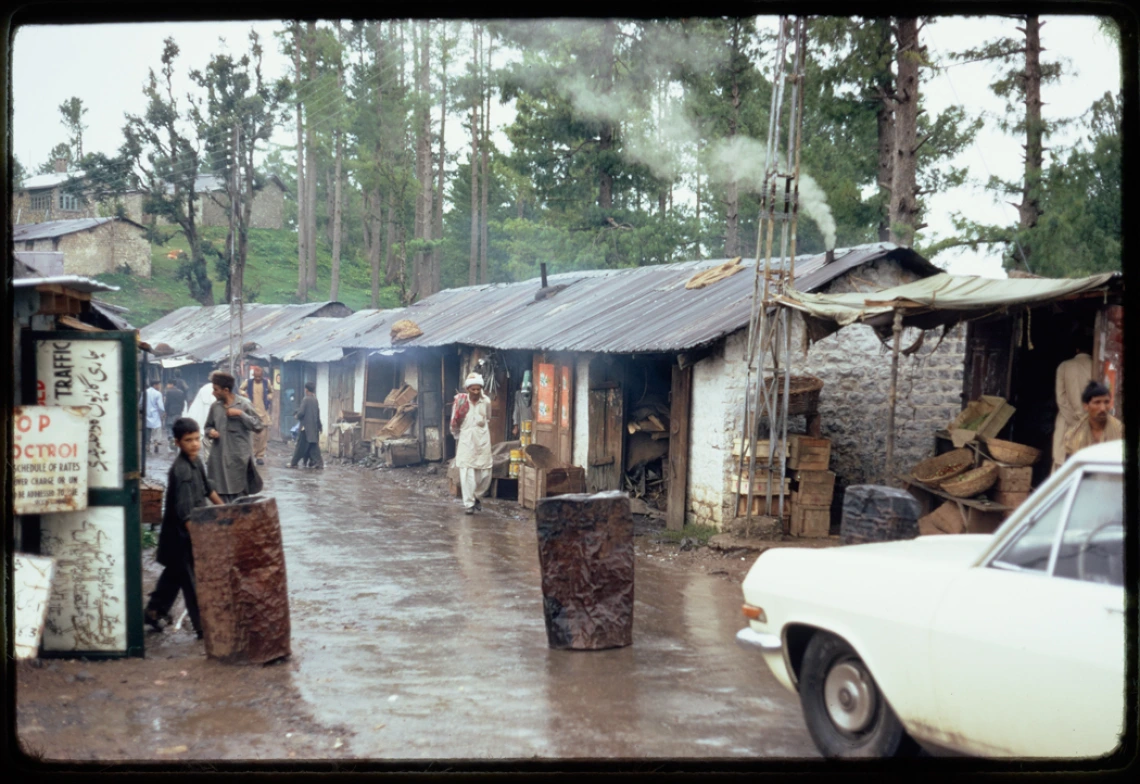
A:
95, 605
31, 589
88, 373
544, 408
49, 458
87, 607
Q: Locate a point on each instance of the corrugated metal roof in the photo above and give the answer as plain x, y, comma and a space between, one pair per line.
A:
624, 311
315, 339
202, 334
77, 282
25, 232
41, 262
49, 180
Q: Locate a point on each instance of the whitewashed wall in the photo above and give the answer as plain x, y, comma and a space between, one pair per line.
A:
581, 418
323, 400
358, 381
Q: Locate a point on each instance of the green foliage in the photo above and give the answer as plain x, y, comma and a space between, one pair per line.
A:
149, 538
271, 276
700, 533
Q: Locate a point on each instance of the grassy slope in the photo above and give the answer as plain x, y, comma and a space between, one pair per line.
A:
271, 276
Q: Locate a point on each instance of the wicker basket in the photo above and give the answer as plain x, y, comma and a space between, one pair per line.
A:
1012, 454
803, 397
935, 470
972, 482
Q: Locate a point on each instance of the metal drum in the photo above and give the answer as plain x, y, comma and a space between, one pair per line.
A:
516, 462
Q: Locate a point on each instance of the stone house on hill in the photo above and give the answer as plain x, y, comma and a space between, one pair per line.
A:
42, 198
90, 246
213, 204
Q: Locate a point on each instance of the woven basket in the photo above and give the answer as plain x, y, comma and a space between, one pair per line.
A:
935, 470
803, 395
972, 482
1012, 454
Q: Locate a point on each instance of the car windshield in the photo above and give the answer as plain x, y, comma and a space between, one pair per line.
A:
1030, 547
1092, 547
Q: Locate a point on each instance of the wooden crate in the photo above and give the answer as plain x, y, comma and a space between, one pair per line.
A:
810, 522
814, 481
979, 522
1011, 500
812, 498
762, 481
535, 483
808, 454
758, 504
1014, 480
762, 449
150, 496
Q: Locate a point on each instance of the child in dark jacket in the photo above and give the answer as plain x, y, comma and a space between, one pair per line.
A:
186, 489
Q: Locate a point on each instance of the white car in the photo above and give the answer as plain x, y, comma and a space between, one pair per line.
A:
1008, 644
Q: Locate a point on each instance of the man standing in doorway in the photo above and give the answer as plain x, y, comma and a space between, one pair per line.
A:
260, 394
470, 428
308, 438
230, 425
154, 411
1097, 425
1073, 375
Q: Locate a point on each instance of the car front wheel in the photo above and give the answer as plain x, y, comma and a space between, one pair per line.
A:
845, 712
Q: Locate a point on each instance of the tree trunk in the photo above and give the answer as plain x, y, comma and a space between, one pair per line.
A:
606, 137
311, 169
698, 200
904, 189
391, 269
885, 123
485, 173
334, 285
375, 210
437, 220
1029, 211
302, 221
473, 268
424, 169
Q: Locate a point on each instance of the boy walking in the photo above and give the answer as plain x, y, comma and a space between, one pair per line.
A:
187, 488
308, 440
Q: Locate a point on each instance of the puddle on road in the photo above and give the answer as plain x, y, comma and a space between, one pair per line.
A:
446, 614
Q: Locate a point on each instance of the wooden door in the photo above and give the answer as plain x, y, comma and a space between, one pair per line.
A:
451, 382
342, 376
605, 455
1108, 353
430, 413
678, 460
989, 358
545, 392
565, 402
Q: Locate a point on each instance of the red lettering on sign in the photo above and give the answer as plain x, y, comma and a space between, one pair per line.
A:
24, 424
45, 422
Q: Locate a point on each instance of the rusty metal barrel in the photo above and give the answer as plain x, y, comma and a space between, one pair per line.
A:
239, 568
585, 550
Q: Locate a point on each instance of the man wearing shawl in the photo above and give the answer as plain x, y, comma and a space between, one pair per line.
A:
470, 426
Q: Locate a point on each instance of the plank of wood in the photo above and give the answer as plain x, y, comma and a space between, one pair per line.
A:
72, 323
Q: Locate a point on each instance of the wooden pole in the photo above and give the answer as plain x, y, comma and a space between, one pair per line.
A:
893, 395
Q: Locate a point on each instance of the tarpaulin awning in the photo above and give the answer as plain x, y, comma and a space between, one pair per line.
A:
941, 299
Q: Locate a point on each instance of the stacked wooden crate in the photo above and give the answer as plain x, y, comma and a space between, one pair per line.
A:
1012, 487
808, 485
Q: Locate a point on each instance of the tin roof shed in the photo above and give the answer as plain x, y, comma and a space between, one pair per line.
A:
622, 311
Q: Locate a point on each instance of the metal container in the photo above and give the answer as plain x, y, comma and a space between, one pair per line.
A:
516, 463
527, 427
525, 440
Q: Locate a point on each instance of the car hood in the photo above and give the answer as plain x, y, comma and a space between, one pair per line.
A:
951, 549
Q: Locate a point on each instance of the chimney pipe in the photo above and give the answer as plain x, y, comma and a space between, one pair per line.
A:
829, 256
61, 165
542, 266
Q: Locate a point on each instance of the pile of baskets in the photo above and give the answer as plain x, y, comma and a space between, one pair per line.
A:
956, 473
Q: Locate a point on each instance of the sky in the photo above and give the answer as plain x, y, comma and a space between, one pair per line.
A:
107, 68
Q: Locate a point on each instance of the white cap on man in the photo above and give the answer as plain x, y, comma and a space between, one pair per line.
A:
473, 380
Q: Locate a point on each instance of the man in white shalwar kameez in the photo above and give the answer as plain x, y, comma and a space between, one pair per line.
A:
473, 452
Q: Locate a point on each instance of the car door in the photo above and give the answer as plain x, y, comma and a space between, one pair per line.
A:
1028, 648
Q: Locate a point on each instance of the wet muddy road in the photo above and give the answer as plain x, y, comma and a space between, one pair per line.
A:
417, 633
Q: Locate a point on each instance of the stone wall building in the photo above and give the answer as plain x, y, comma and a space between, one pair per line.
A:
42, 198
212, 205
90, 246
